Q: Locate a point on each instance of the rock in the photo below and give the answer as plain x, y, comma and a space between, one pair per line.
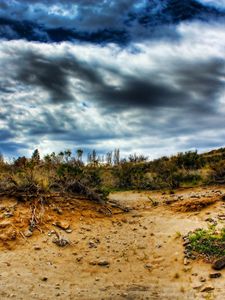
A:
148, 266
103, 263
186, 243
197, 286
51, 232
221, 217
62, 225
202, 279
36, 247
68, 230
79, 258
211, 220
92, 244
215, 275
207, 289
186, 262
61, 242
28, 233
44, 278
219, 264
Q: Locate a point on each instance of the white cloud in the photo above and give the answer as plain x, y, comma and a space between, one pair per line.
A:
194, 65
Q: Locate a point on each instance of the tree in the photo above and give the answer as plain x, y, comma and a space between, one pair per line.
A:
67, 155
80, 154
134, 158
20, 162
1, 159
116, 156
109, 158
35, 158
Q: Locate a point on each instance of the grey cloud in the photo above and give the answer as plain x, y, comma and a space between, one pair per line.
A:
52, 74
106, 97
195, 86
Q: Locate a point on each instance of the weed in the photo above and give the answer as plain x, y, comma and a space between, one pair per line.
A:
208, 242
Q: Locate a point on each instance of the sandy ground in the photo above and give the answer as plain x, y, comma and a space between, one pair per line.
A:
141, 250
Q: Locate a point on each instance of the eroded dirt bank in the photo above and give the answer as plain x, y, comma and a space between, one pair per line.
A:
134, 255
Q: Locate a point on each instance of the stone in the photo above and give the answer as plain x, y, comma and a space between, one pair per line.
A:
206, 289
36, 247
103, 263
62, 225
215, 275
219, 264
79, 258
197, 286
92, 244
186, 243
202, 279
148, 266
44, 278
61, 242
28, 233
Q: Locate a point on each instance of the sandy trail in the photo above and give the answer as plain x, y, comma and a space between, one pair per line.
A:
142, 251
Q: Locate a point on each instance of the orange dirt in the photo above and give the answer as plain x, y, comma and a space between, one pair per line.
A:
134, 255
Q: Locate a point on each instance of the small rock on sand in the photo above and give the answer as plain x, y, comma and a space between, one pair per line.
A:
207, 288
219, 264
215, 275
62, 225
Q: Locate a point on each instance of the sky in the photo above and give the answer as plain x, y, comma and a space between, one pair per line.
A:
145, 76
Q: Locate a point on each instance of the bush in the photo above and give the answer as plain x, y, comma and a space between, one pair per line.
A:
208, 242
217, 172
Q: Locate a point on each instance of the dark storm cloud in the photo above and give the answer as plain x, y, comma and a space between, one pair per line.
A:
99, 21
195, 85
162, 94
52, 74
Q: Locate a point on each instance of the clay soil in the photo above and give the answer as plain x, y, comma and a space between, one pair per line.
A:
126, 255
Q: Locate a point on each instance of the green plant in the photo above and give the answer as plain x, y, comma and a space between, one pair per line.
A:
209, 242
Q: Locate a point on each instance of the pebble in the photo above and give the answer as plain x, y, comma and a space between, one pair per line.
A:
103, 263
36, 247
28, 233
207, 289
215, 275
219, 264
62, 225
44, 278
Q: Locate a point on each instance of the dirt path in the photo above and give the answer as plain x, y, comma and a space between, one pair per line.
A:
135, 255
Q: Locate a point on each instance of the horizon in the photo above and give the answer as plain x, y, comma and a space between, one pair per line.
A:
102, 155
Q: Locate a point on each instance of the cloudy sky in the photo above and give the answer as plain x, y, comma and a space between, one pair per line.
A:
145, 76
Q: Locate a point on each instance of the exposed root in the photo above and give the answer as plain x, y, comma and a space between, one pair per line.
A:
193, 204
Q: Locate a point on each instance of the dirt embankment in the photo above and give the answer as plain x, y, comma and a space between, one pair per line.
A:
126, 255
